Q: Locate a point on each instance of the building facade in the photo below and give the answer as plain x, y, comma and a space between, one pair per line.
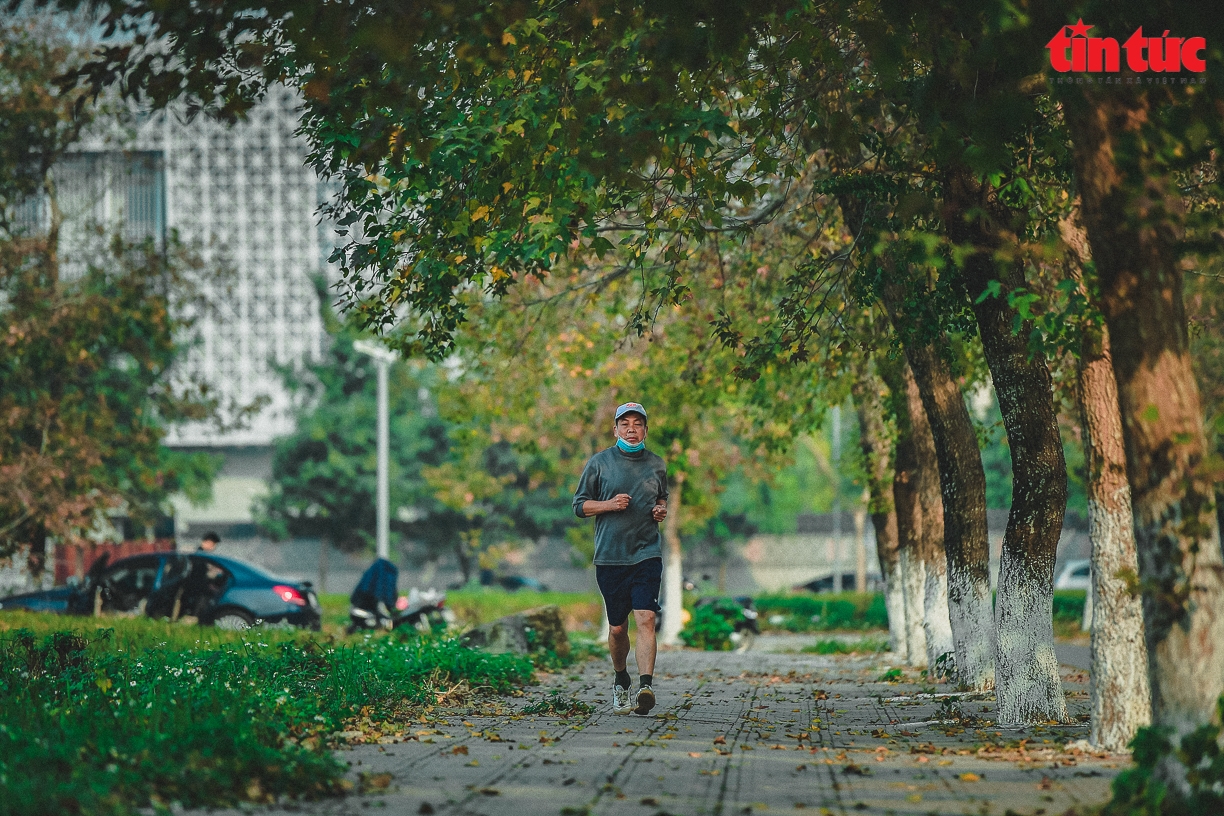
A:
243, 199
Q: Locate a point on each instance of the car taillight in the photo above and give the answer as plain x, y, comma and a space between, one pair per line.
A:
290, 595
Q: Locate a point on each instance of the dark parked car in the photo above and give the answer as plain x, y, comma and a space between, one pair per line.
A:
824, 583
221, 591
511, 583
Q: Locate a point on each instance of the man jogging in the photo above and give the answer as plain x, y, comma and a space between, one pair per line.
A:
625, 488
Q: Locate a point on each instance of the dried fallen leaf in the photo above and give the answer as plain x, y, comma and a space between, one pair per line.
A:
490, 791
459, 749
694, 754
374, 781
969, 777
720, 740
650, 800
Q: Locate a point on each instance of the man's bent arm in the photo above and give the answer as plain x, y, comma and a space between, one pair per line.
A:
591, 507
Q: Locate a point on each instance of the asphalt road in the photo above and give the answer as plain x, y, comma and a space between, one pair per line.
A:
736, 734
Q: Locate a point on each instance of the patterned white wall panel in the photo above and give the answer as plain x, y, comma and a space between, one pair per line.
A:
246, 198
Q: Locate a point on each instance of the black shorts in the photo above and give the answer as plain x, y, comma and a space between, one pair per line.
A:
626, 587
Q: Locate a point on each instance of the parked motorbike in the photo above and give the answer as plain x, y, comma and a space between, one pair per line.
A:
424, 611
740, 613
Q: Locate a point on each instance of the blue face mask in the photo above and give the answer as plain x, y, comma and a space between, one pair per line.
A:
627, 448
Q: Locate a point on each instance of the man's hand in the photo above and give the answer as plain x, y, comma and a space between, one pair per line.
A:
618, 502
659, 512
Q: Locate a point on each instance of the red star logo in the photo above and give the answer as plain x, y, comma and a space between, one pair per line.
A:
1079, 29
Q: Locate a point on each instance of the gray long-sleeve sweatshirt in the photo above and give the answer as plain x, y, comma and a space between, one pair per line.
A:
630, 535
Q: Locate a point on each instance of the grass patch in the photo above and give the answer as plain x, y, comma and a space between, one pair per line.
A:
831, 611
108, 720
829, 647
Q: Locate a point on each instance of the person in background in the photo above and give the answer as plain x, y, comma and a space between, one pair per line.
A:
376, 592
209, 542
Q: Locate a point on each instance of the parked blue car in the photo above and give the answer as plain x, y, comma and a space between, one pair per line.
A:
216, 590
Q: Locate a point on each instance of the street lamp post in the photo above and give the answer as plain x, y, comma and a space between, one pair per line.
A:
837, 536
383, 357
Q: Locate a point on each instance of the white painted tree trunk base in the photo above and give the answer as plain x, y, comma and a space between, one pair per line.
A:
1120, 695
673, 599
913, 583
894, 605
1027, 683
969, 609
936, 621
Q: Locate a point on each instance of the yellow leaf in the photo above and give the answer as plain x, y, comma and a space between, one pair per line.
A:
969, 777
481, 212
508, 39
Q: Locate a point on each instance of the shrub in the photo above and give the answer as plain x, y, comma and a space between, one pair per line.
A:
1138, 791
708, 629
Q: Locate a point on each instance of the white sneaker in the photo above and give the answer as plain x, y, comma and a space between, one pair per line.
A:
620, 700
645, 700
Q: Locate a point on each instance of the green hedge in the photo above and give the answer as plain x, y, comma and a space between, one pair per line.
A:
1069, 605
865, 610
824, 612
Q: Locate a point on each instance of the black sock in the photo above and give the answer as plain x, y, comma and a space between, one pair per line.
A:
623, 679
646, 680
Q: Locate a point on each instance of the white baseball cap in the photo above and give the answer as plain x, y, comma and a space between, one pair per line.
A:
630, 407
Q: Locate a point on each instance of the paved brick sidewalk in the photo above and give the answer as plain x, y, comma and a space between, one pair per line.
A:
736, 734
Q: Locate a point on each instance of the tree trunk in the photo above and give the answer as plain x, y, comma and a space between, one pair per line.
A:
962, 482
890, 569
323, 565
1132, 210
1120, 694
36, 558
860, 543
867, 391
910, 524
909, 533
673, 567
937, 624
1027, 683
463, 555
